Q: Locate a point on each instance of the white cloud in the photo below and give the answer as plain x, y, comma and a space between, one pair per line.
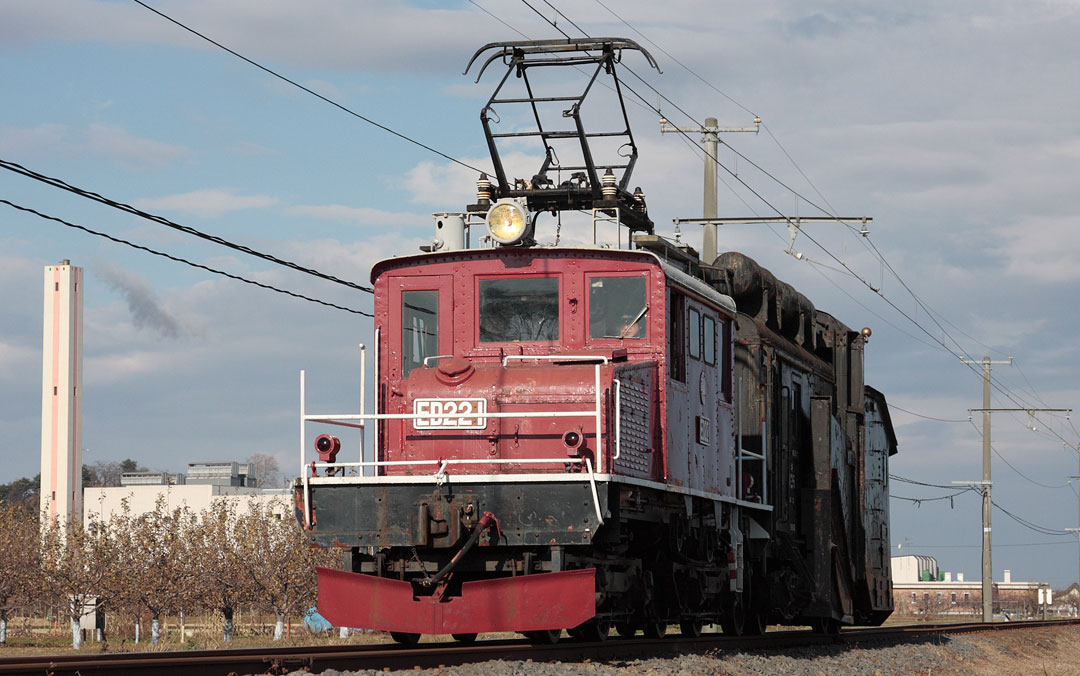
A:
102, 140
360, 215
1046, 249
21, 141
122, 145
210, 202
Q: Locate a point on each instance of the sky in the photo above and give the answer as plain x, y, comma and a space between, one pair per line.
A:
953, 125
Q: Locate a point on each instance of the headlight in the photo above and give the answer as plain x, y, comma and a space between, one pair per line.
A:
508, 222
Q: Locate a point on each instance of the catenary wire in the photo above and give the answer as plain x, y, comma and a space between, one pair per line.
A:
1013, 467
308, 90
200, 266
1030, 525
871, 247
927, 417
767, 202
496, 17
63, 185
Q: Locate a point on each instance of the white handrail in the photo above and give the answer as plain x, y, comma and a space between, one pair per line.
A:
454, 461
303, 455
557, 357
424, 416
595, 495
363, 395
344, 419
618, 415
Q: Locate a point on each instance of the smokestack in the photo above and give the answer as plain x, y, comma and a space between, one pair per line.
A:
61, 395
1007, 577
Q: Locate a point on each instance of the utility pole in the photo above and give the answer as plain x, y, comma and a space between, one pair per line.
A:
1077, 530
711, 141
987, 483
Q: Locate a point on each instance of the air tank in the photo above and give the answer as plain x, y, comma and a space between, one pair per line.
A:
753, 288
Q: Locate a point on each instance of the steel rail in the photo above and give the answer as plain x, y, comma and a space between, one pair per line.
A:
389, 656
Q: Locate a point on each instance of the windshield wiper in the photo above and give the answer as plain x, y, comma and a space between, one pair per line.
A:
631, 325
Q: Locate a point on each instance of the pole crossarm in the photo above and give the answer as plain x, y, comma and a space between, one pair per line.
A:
1019, 410
773, 219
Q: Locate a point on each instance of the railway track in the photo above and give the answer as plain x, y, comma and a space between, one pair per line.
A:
388, 656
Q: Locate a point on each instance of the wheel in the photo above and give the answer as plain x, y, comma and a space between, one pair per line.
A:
405, 638
755, 623
825, 625
626, 629
593, 630
654, 629
733, 619
690, 628
464, 638
544, 636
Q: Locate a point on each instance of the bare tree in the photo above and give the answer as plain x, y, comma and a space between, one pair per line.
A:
80, 569
18, 560
107, 473
283, 561
157, 550
221, 558
264, 470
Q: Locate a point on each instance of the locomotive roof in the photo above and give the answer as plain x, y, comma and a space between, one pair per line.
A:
687, 282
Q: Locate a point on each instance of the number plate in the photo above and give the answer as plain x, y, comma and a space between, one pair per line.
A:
450, 414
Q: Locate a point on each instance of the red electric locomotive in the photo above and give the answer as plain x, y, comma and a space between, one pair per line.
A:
591, 437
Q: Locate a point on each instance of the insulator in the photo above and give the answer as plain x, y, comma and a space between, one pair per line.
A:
607, 185
483, 189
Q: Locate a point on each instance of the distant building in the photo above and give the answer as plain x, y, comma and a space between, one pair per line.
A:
198, 489
921, 588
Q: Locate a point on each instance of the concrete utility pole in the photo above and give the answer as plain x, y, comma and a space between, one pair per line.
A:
711, 141
987, 483
1077, 530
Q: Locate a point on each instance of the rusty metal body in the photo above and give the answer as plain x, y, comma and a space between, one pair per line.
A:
831, 438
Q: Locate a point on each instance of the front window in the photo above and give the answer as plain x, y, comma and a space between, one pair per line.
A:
519, 309
617, 307
419, 328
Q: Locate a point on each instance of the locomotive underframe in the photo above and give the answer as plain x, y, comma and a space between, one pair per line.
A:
661, 556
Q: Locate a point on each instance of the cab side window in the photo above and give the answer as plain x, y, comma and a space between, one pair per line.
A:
709, 340
693, 333
676, 347
419, 328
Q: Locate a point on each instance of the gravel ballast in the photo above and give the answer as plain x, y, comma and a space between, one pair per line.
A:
1051, 651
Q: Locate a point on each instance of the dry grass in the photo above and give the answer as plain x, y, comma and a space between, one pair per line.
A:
1052, 651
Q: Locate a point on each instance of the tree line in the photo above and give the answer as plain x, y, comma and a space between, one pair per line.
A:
162, 562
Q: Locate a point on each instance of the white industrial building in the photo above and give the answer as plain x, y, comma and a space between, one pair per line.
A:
204, 484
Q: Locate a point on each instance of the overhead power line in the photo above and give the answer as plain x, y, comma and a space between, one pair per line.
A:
958, 352
58, 183
308, 90
1014, 468
927, 417
200, 266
